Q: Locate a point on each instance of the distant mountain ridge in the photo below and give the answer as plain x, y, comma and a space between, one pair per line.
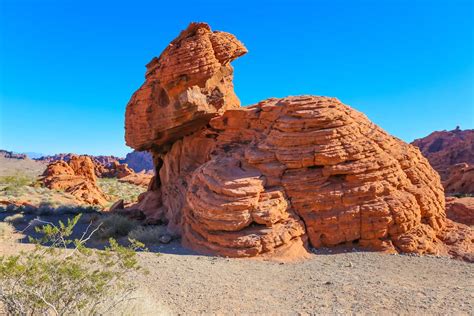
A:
136, 160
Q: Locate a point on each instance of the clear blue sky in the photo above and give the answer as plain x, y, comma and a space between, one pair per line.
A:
69, 67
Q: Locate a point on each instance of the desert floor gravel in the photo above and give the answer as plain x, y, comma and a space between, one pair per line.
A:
343, 283
180, 282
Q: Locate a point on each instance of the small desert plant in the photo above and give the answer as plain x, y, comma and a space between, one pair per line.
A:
148, 234
66, 277
115, 226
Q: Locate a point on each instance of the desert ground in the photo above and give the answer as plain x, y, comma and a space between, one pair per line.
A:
179, 281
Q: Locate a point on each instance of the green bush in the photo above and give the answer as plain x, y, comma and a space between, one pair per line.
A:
14, 184
65, 277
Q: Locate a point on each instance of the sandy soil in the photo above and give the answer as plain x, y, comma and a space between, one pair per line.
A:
27, 167
180, 282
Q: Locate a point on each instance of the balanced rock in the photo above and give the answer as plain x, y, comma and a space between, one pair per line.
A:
268, 179
77, 177
187, 85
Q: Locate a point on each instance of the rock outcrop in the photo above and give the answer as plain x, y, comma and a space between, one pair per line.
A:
445, 149
77, 177
460, 179
268, 179
460, 210
141, 179
186, 86
139, 161
12, 155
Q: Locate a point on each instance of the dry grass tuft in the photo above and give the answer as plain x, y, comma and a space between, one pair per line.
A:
116, 226
148, 234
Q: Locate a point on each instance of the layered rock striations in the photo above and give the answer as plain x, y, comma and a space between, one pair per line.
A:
460, 179
277, 177
77, 177
447, 148
451, 153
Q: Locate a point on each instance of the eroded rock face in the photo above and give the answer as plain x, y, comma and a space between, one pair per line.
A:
77, 177
444, 149
460, 179
187, 85
460, 210
139, 161
273, 178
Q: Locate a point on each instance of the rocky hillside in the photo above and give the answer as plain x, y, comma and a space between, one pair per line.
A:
444, 149
11, 155
451, 153
139, 161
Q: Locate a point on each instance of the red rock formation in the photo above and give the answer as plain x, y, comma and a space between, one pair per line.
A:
447, 148
76, 177
460, 210
262, 180
460, 179
141, 179
12, 155
187, 85
139, 161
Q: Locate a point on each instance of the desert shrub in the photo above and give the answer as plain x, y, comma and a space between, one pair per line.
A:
148, 234
119, 190
65, 277
462, 195
14, 184
115, 226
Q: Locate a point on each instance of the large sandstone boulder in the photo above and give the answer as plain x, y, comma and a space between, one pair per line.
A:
77, 177
273, 178
187, 85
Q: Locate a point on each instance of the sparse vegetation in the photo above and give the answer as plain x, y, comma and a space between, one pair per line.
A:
15, 184
462, 195
116, 226
148, 235
65, 277
120, 190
